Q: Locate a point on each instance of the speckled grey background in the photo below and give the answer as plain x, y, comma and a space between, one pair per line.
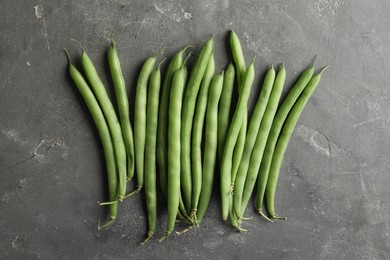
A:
335, 176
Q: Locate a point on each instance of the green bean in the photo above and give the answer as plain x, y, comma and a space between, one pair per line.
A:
140, 118
150, 149
238, 56
231, 139
250, 140
277, 124
162, 130
262, 135
189, 103
174, 146
197, 131
283, 141
239, 60
123, 107
224, 108
112, 121
104, 134
210, 145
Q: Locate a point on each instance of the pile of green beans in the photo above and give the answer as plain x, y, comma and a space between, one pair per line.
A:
185, 132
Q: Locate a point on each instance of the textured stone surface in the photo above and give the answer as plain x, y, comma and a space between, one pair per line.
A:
334, 182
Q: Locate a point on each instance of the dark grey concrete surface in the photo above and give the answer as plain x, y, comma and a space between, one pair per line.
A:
334, 186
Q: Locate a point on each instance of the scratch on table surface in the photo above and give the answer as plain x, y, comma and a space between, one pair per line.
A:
318, 140
40, 16
172, 11
367, 121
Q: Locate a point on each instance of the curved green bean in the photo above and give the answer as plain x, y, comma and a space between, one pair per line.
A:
262, 135
224, 108
112, 121
238, 56
140, 118
189, 103
210, 145
162, 130
283, 141
150, 149
231, 139
276, 127
104, 134
197, 131
250, 140
123, 107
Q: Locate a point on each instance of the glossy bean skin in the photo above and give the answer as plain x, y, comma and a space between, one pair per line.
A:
162, 132
197, 133
112, 121
231, 139
140, 118
276, 127
283, 141
105, 137
224, 108
189, 103
174, 145
210, 145
150, 150
261, 138
250, 140
123, 107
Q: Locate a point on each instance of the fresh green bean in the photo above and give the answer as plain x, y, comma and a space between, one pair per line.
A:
197, 131
276, 127
239, 60
104, 134
123, 107
231, 139
162, 131
262, 135
224, 108
150, 150
174, 146
210, 145
140, 118
283, 141
112, 121
250, 140
189, 103
238, 56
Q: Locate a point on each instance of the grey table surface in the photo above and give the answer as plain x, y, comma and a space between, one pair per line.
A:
334, 186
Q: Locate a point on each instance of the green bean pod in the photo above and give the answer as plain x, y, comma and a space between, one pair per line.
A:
231, 139
150, 149
189, 103
197, 131
224, 108
140, 118
283, 140
162, 130
123, 107
276, 127
250, 140
238, 57
174, 146
210, 145
262, 135
104, 134
112, 121
239, 60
